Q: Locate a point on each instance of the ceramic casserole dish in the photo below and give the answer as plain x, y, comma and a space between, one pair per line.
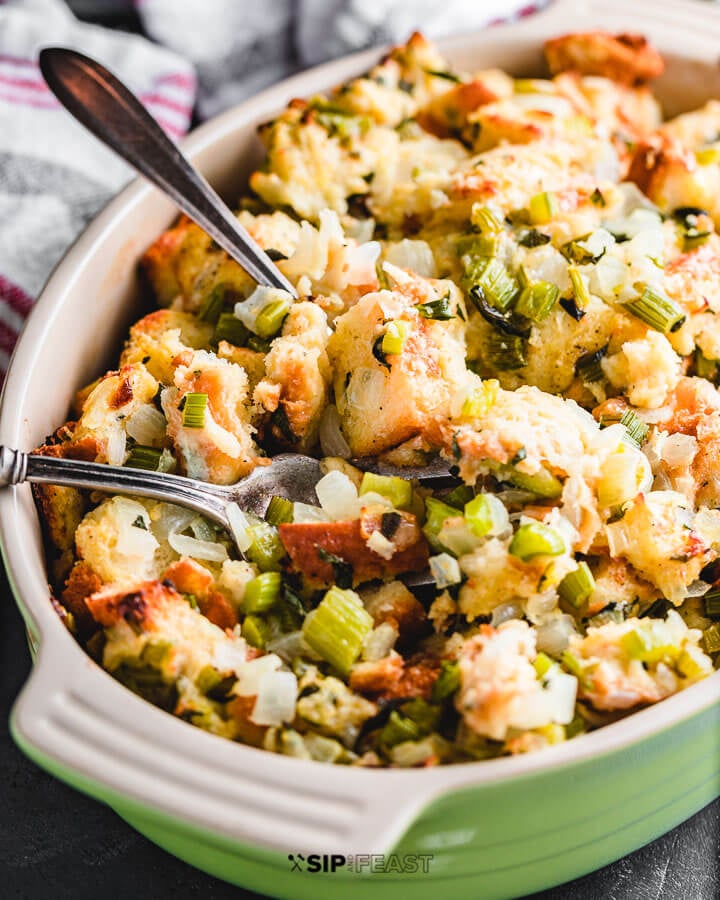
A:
500, 828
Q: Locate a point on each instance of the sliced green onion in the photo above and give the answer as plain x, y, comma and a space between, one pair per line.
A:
711, 639
271, 317
397, 490
480, 401
436, 512
497, 284
504, 352
541, 483
229, 328
657, 310
637, 430
212, 305
531, 237
712, 604
588, 367
279, 510
193, 411
395, 336
478, 245
573, 664
440, 310
262, 592
543, 207
142, 457
580, 291
256, 631
485, 514
336, 629
266, 549
645, 646
448, 681
536, 539
576, 588
537, 300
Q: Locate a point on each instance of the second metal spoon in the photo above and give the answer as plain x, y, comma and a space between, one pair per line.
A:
108, 109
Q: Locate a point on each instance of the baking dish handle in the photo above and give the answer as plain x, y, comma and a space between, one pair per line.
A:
79, 723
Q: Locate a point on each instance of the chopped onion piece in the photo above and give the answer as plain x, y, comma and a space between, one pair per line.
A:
338, 496
170, 519
250, 674
332, 440
146, 425
239, 526
511, 609
414, 255
378, 543
276, 699
188, 546
303, 512
379, 642
116, 445
445, 570
553, 635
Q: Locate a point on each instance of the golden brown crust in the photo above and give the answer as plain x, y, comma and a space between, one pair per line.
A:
625, 58
190, 577
302, 541
81, 583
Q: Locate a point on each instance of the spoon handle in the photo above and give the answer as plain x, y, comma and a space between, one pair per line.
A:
17, 467
105, 106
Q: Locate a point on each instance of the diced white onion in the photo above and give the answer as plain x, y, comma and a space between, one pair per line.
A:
332, 440
445, 570
607, 276
379, 642
276, 699
554, 634
239, 525
303, 512
678, 450
288, 646
378, 543
202, 529
146, 425
540, 607
598, 242
619, 538
338, 496
230, 655
457, 536
170, 519
698, 588
414, 255
189, 546
251, 673
503, 612
360, 263
116, 444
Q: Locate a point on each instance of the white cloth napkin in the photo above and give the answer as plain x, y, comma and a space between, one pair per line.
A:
54, 177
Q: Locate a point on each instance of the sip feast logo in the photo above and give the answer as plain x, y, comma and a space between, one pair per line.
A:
412, 863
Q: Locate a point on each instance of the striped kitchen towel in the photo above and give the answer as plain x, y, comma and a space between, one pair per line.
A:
54, 177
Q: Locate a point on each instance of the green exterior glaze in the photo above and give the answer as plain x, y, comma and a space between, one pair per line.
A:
494, 841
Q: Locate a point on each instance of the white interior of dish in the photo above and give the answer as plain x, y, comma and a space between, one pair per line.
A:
76, 332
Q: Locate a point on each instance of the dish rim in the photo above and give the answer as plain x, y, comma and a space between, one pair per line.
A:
33, 710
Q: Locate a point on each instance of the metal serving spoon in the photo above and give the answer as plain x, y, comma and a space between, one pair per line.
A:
108, 109
289, 475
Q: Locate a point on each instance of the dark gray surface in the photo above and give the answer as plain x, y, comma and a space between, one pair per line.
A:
56, 843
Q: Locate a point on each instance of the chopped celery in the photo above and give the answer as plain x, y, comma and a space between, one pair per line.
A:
541, 483
256, 631
485, 514
212, 305
229, 328
425, 715
142, 457
588, 367
537, 300
193, 410
688, 666
439, 310
485, 220
266, 549
279, 510
262, 592
637, 430
543, 664
576, 588
459, 496
336, 629
477, 404
712, 603
397, 490
436, 512
448, 681
543, 207
705, 368
573, 664
643, 645
711, 639
396, 334
271, 317
397, 730
656, 309
504, 352
535, 539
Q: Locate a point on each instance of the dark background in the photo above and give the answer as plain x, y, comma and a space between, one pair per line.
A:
56, 843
